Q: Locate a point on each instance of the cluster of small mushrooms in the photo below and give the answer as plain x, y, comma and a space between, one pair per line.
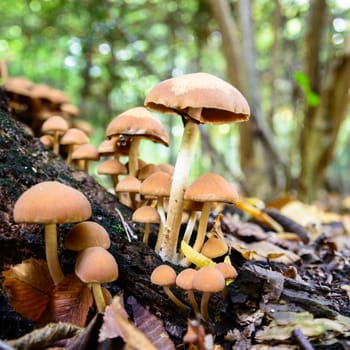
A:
157, 193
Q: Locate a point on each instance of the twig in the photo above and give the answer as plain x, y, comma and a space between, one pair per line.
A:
129, 232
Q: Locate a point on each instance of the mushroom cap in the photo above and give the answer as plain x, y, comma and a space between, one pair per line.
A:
96, 265
18, 85
54, 123
87, 234
163, 275
51, 202
157, 184
147, 170
211, 187
214, 247
227, 270
85, 151
220, 101
208, 279
69, 110
46, 140
112, 166
146, 214
184, 279
107, 147
138, 121
129, 184
74, 136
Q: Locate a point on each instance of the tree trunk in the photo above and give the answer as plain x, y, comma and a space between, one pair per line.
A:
321, 121
256, 140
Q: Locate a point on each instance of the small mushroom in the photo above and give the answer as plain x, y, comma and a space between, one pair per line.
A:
95, 265
71, 138
208, 280
56, 126
165, 276
87, 234
147, 215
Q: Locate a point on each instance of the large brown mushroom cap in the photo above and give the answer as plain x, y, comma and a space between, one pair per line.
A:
157, 184
208, 279
96, 265
219, 101
211, 187
138, 121
51, 202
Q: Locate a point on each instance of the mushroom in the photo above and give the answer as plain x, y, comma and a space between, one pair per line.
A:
95, 265
229, 273
87, 234
197, 98
208, 280
137, 123
83, 153
165, 276
130, 185
56, 126
184, 280
71, 138
157, 185
51, 203
214, 247
208, 188
112, 167
147, 215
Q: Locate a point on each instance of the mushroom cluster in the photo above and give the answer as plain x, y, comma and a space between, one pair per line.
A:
51, 203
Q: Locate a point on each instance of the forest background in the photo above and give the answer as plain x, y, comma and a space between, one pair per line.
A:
290, 58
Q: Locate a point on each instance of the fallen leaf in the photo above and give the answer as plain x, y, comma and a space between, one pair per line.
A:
195, 257
151, 326
29, 287
71, 301
116, 323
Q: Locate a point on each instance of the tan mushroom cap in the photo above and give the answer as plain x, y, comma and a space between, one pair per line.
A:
163, 275
211, 187
146, 214
53, 124
51, 202
138, 121
208, 279
69, 110
74, 136
107, 147
87, 234
227, 270
18, 85
96, 265
129, 184
157, 184
111, 167
47, 140
184, 279
146, 171
214, 247
85, 151
218, 101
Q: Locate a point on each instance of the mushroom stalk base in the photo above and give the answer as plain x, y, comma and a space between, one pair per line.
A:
51, 253
169, 238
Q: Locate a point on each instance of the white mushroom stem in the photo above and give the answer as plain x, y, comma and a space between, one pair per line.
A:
202, 227
188, 232
99, 297
161, 212
51, 254
134, 156
167, 249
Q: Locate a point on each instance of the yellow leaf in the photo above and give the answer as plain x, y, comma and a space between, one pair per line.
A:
194, 257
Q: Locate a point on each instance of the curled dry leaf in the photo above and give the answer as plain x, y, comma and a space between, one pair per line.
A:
29, 287
151, 326
116, 324
71, 301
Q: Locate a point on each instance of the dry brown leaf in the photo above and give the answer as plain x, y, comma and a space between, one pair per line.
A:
116, 323
151, 326
71, 301
29, 287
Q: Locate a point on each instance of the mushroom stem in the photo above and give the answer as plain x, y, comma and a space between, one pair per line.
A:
188, 232
202, 227
170, 235
204, 305
51, 253
56, 142
174, 298
98, 296
134, 156
161, 211
69, 154
146, 233
193, 302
